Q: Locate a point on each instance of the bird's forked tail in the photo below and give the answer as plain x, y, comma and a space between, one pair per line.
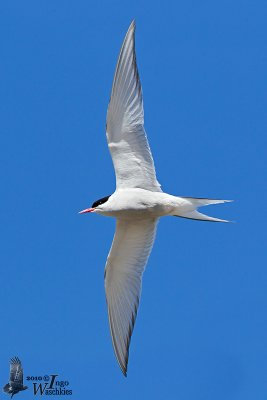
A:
194, 214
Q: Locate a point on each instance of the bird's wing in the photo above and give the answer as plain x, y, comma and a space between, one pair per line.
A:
127, 141
125, 265
16, 371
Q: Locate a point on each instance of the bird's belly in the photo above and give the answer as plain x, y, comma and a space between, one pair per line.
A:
139, 209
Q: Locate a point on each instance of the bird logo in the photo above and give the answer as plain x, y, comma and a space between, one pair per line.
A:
15, 384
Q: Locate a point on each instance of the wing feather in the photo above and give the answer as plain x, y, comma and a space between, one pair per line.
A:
127, 141
125, 265
16, 372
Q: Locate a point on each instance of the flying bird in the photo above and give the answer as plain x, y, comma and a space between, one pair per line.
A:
137, 203
15, 384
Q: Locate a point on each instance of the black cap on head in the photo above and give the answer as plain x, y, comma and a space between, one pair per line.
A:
100, 201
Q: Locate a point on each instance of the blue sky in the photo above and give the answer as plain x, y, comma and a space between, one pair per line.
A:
201, 331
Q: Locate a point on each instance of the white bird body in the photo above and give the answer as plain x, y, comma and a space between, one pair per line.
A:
134, 203
138, 202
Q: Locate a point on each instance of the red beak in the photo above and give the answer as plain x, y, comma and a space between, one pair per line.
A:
86, 210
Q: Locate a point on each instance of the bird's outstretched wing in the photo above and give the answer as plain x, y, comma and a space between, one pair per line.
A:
16, 372
125, 265
127, 141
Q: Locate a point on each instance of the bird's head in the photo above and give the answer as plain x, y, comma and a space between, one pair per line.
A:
95, 205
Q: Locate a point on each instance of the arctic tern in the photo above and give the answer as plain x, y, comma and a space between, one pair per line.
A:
137, 203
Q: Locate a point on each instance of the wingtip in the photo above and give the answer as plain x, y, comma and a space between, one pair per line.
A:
133, 23
14, 360
132, 27
123, 363
123, 366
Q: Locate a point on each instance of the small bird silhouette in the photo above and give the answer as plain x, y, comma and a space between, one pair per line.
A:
15, 384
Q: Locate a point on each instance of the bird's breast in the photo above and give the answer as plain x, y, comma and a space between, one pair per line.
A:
137, 204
